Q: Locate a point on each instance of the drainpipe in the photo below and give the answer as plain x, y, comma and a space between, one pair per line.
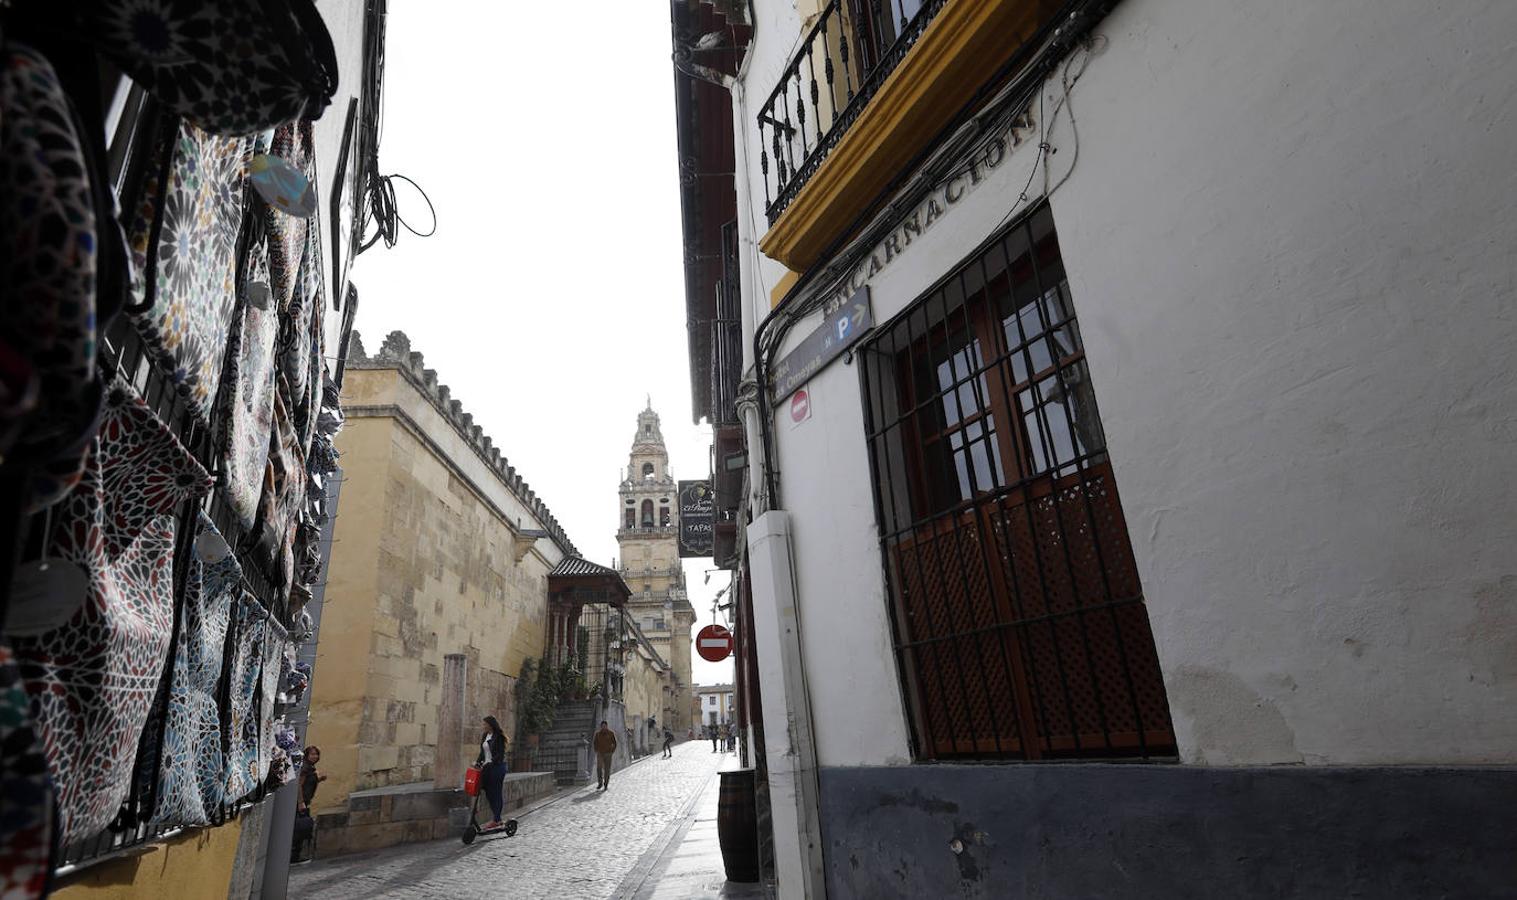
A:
789, 739
276, 867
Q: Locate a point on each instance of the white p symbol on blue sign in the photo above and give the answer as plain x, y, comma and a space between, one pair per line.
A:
844, 324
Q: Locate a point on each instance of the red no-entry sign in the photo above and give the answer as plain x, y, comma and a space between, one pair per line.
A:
800, 406
713, 643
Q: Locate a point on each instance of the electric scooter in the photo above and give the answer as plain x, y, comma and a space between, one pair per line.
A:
473, 829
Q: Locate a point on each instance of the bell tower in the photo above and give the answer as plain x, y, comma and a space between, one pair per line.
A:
648, 533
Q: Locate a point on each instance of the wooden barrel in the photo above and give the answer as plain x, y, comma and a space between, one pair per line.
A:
737, 825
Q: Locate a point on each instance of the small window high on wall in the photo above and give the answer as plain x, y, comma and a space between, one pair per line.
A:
647, 471
1020, 627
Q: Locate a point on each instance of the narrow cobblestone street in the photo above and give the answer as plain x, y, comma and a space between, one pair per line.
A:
582, 845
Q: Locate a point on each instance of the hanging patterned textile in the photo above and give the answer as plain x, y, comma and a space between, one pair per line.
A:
49, 393
242, 774
246, 418
284, 491
184, 246
26, 819
230, 67
300, 343
191, 767
96, 676
275, 643
289, 236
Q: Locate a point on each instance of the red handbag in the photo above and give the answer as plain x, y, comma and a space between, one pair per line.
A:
471, 782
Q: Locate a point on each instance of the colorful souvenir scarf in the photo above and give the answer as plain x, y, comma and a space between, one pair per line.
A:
97, 676
184, 244
47, 277
275, 642
247, 414
284, 491
242, 769
289, 236
231, 67
191, 767
26, 819
300, 342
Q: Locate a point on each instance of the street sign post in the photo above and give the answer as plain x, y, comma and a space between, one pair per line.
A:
837, 333
713, 643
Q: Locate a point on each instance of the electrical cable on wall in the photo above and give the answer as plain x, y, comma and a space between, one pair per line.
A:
384, 211
380, 206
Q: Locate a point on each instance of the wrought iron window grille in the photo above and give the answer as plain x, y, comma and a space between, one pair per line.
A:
1019, 626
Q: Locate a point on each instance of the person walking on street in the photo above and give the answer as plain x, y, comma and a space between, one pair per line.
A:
492, 766
715, 736
668, 743
605, 745
731, 739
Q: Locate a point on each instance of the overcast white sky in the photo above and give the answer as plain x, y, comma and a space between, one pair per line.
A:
551, 299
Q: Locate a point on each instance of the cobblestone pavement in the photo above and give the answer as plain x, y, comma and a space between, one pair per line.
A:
579, 846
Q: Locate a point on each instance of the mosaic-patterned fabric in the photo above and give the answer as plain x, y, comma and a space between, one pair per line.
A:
275, 642
187, 280
284, 490
299, 340
47, 272
247, 415
242, 769
96, 677
191, 767
290, 236
232, 68
26, 818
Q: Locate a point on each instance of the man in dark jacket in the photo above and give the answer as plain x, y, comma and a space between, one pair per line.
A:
605, 746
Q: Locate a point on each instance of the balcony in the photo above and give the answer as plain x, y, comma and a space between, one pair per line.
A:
871, 87
854, 45
646, 531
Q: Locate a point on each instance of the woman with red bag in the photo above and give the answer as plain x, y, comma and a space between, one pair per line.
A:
492, 768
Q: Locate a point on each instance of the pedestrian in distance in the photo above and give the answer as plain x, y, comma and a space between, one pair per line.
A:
731, 739
668, 742
303, 847
715, 736
492, 768
605, 746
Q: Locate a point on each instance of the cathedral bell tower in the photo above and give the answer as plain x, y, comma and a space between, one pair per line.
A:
648, 532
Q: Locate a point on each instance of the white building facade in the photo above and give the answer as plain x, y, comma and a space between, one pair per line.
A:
717, 704
1182, 436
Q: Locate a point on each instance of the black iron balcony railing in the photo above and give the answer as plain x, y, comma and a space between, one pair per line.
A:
850, 50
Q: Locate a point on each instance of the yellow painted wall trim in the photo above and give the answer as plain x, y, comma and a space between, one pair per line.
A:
782, 287
196, 863
960, 49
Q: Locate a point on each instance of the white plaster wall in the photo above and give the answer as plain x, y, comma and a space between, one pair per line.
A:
1290, 234
1288, 238
344, 21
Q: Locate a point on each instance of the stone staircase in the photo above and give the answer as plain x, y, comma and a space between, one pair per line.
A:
565, 747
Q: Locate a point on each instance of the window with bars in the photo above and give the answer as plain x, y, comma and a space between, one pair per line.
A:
1020, 627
